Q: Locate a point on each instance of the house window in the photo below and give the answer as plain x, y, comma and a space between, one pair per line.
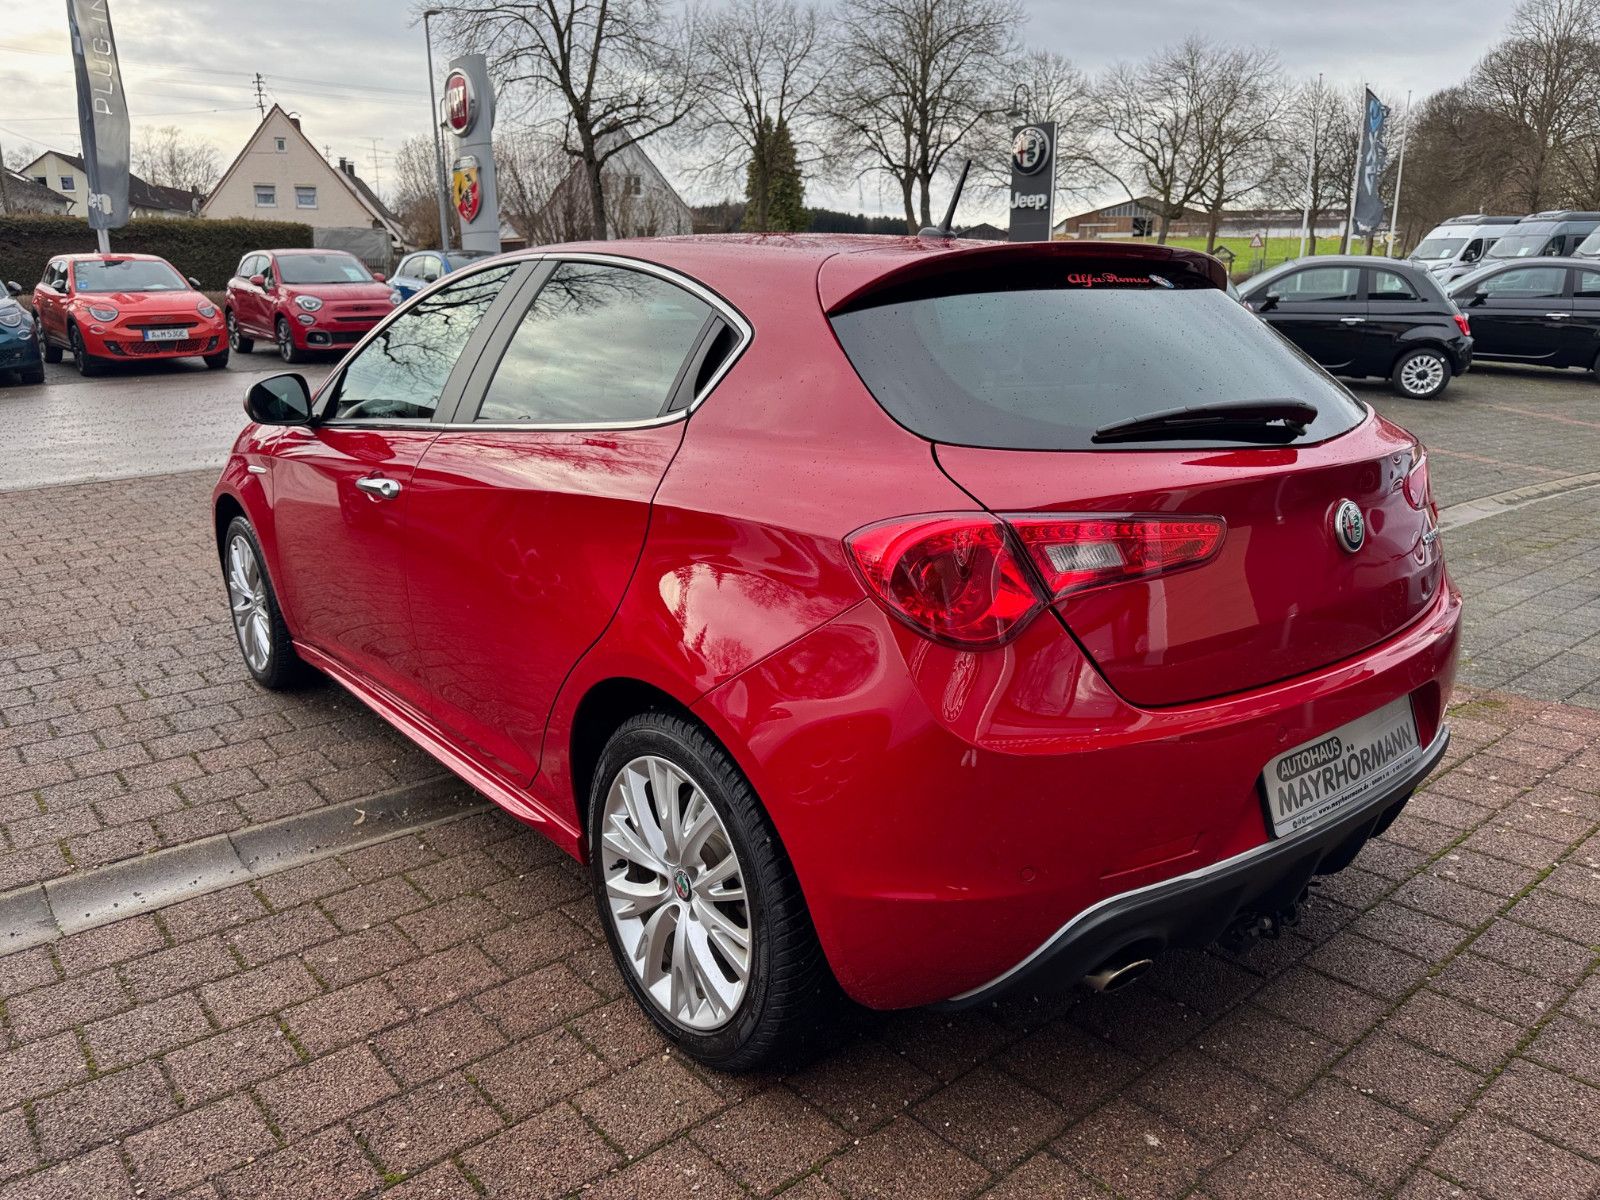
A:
305, 197
266, 196
42, 180
68, 184
281, 145
632, 185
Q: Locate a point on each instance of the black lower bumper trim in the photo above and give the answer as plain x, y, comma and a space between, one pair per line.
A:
1195, 909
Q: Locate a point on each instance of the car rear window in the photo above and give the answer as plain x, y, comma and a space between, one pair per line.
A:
1041, 361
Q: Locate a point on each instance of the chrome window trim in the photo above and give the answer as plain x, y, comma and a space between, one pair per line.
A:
721, 307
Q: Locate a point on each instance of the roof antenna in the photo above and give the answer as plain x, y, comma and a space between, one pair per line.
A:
942, 230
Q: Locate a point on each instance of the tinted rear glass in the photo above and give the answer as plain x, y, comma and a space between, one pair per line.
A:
1042, 364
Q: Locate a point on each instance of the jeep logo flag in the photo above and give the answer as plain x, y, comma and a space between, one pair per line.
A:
1033, 181
102, 113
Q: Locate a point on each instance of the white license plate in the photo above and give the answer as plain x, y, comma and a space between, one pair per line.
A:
1312, 782
165, 335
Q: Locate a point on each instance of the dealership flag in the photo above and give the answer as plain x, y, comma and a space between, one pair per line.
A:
102, 112
1369, 208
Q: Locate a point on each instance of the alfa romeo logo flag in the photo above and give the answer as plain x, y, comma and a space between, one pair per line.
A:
1369, 209
102, 112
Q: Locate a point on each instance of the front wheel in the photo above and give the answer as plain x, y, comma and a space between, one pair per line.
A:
237, 342
216, 361
258, 623
1420, 374
701, 908
88, 365
287, 350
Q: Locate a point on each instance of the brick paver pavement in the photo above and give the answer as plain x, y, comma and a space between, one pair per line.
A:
437, 1015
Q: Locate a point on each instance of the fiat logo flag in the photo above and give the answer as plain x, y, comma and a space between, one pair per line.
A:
460, 104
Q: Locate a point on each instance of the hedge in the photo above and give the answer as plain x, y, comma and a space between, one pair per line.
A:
208, 250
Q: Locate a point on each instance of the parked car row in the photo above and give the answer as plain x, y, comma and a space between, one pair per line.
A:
105, 309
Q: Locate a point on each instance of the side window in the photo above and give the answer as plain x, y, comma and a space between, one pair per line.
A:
1387, 285
1319, 285
1587, 285
1527, 283
598, 344
1474, 250
48, 279
401, 372
432, 267
268, 275
407, 265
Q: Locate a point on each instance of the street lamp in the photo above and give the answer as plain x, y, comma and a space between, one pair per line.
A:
1021, 102
438, 140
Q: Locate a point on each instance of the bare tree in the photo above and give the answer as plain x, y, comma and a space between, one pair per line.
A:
913, 80
1048, 87
1150, 117
1241, 100
19, 154
168, 157
534, 175
415, 192
1539, 89
764, 64
1316, 129
610, 73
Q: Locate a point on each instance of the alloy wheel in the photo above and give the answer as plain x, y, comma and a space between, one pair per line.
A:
247, 597
233, 331
285, 341
1422, 375
675, 893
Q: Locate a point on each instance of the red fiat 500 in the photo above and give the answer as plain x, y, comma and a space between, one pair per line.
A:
915, 616
304, 300
110, 307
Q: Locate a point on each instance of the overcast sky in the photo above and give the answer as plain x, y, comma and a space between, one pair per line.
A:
355, 69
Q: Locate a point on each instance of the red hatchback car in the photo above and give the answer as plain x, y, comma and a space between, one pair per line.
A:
106, 308
917, 616
303, 301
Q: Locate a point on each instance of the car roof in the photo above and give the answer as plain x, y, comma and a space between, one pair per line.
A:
307, 250
766, 270
113, 257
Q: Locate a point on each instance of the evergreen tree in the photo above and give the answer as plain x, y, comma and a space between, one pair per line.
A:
774, 191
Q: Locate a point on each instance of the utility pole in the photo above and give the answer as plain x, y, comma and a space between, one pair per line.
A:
375, 169
438, 138
261, 99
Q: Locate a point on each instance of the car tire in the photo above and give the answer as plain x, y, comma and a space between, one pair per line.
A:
237, 342
216, 361
88, 365
258, 625
50, 353
287, 350
1420, 374
787, 998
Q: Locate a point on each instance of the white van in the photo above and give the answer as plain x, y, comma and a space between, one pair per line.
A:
1455, 247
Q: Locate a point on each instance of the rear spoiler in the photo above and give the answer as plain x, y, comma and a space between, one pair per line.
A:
846, 280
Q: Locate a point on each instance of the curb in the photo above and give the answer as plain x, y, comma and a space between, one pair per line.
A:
42, 912
1469, 511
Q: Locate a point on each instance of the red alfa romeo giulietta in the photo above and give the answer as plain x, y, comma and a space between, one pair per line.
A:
908, 616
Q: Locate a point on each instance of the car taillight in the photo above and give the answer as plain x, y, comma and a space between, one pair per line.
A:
1418, 486
1461, 324
959, 578
1073, 554
952, 577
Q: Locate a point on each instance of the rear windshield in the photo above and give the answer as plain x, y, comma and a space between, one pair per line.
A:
1439, 249
1041, 365
322, 268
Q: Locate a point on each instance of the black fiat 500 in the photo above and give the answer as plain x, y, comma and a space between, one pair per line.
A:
1543, 311
1361, 317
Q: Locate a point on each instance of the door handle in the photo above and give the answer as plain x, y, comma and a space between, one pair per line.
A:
1558, 316
379, 488
1351, 320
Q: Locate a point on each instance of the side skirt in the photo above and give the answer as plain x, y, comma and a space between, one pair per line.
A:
419, 729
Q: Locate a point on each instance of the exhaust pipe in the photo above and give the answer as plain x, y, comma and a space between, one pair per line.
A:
1114, 978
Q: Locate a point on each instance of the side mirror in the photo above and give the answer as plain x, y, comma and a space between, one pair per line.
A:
193, 282
430, 277
279, 400
379, 277
258, 280
13, 287
1268, 302
1479, 296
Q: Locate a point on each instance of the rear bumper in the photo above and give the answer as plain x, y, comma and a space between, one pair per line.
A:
1195, 909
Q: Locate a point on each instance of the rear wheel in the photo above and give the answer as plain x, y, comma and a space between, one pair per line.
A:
1420, 374
88, 365
237, 342
258, 624
50, 353
287, 350
699, 903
